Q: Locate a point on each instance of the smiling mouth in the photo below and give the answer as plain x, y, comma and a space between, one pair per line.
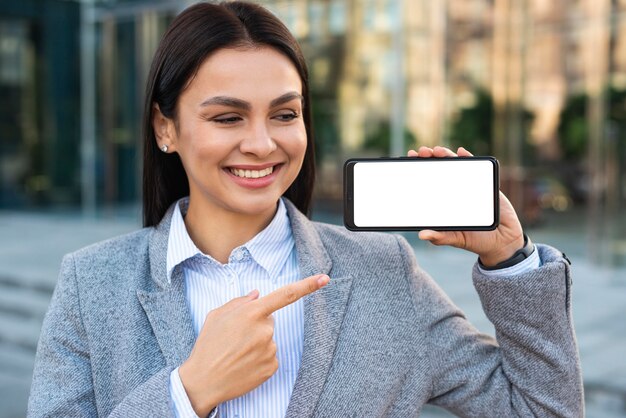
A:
252, 174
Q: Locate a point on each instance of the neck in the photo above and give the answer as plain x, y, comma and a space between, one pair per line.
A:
217, 231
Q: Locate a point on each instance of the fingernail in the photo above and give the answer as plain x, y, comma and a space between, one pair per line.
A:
253, 294
323, 280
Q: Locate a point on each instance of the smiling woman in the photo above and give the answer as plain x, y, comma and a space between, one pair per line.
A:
206, 310
239, 132
185, 52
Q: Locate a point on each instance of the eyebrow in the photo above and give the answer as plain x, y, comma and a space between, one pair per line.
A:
287, 97
244, 105
227, 101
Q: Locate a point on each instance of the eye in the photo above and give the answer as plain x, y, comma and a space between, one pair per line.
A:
227, 119
286, 116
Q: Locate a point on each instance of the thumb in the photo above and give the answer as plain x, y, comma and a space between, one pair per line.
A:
452, 238
237, 302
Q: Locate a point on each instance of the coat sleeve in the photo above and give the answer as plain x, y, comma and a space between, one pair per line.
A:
62, 380
532, 369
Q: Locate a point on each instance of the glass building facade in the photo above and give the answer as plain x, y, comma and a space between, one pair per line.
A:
39, 103
539, 84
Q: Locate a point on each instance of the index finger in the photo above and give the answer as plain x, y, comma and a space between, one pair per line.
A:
290, 293
462, 152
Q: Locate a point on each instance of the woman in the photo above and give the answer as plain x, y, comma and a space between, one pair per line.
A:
205, 311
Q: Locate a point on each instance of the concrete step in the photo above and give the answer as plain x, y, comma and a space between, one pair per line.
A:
42, 286
16, 360
604, 401
22, 301
19, 331
14, 392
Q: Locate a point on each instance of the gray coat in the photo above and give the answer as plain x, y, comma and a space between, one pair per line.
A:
381, 339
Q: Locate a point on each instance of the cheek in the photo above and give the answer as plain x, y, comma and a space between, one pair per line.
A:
295, 144
203, 150
202, 146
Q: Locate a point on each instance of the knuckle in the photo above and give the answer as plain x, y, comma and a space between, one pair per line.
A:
290, 295
214, 315
268, 332
269, 368
262, 335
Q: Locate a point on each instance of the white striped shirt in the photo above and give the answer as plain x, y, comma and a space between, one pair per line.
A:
532, 262
266, 262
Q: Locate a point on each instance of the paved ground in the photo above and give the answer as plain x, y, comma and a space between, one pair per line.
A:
31, 246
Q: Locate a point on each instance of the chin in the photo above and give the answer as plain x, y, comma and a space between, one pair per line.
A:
252, 206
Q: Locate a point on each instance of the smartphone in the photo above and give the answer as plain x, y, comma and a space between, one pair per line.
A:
412, 193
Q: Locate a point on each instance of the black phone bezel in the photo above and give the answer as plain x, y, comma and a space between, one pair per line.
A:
348, 204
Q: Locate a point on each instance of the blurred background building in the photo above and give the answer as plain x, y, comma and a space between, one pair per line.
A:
540, 84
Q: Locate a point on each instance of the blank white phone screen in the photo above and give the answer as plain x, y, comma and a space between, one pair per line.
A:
424, 193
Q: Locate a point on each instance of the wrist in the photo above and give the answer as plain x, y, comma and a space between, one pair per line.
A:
508, 255
201, 400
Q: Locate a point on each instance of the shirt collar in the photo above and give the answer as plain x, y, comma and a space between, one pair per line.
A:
269, 248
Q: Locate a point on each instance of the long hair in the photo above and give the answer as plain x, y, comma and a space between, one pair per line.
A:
196, 33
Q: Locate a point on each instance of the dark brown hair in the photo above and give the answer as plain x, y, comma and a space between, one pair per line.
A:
196, 33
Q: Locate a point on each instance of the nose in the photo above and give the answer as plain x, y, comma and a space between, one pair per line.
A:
258, 140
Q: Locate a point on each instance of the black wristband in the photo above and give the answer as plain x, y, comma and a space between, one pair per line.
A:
519, 256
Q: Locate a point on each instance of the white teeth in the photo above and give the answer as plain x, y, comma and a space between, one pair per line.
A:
252, 174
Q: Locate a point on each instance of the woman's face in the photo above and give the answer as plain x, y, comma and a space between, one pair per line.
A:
239, 130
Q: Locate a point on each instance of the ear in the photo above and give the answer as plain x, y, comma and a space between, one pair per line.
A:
164, 129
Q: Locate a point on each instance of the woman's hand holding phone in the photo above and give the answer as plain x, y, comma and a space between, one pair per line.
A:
492, 247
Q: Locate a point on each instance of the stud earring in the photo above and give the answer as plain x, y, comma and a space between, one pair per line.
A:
164, 148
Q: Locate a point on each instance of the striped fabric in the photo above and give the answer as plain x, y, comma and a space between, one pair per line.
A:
266, 262
532, 262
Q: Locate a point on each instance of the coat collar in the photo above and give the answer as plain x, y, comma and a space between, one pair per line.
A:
324, 309
165, 306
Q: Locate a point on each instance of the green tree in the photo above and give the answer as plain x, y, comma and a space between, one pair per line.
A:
379, 139
573, 127
473, 127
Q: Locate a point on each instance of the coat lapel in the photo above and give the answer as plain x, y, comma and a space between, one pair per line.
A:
171, 323
323, 315
165, 306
